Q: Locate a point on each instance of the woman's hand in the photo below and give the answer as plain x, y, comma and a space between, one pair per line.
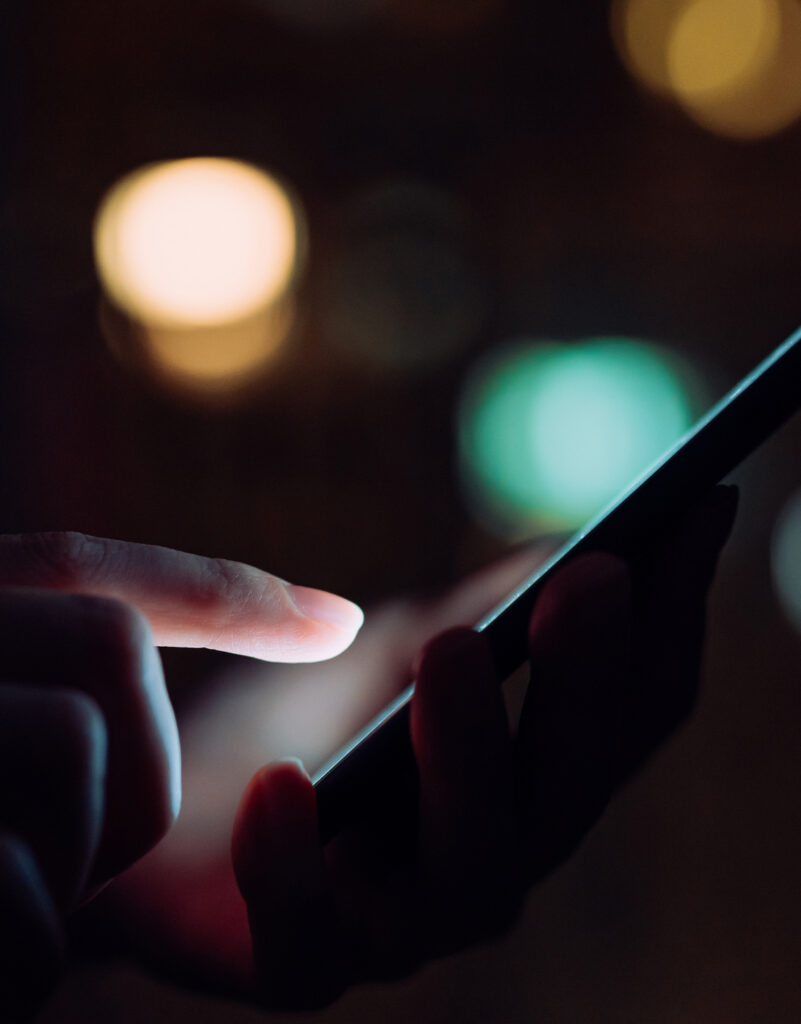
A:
90, 773
615, 655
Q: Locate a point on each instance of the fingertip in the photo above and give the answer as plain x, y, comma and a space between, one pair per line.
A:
330, 609
277, 817
298, 952
457, 711
331, 622
278, 863
581, 641
315, 641
451, 669
279, 789
458, 647
463, 750
306, 625
596, 588
283, 789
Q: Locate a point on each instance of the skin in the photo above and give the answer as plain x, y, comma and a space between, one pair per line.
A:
88, 740
246, 902
615, 659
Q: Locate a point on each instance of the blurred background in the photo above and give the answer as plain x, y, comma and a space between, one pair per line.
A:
367, 292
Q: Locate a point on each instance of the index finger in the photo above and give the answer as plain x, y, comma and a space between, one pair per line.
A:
189, 600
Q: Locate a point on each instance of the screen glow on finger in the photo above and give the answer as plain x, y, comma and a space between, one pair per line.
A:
785, 556
551, 433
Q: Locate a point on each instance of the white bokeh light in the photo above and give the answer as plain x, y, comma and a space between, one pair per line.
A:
195, 242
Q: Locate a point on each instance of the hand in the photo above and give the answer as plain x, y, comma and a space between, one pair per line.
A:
89, 752
615, 654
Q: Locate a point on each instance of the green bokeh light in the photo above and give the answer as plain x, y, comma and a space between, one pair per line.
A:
551, 433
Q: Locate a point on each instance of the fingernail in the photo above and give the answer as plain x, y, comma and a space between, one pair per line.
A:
328, 608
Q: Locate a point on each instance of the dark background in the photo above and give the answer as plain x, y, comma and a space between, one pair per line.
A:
588, 207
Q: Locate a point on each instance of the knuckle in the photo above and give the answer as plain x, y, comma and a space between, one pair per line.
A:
65, 559
225, 580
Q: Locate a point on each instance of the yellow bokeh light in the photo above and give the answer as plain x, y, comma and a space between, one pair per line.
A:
219, 355
198, 258
196, 242
733, 65
641, 29
716, 46
217, 360
764, 96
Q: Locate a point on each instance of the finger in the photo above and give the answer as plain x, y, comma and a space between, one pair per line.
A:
53, 766
672, 586
31, 940
461, 742
580, 642
105, 650
278, 863
190, 601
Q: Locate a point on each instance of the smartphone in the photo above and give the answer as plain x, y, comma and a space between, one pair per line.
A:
364, 770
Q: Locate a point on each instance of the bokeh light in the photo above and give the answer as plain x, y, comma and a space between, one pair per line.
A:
733, 65
736, 67
717, 45
641, 29
550, 433
205, 362
200, 255
405, 290
195, 242
786, 559
216, 354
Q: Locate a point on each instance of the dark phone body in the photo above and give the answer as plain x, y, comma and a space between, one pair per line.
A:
353, 780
